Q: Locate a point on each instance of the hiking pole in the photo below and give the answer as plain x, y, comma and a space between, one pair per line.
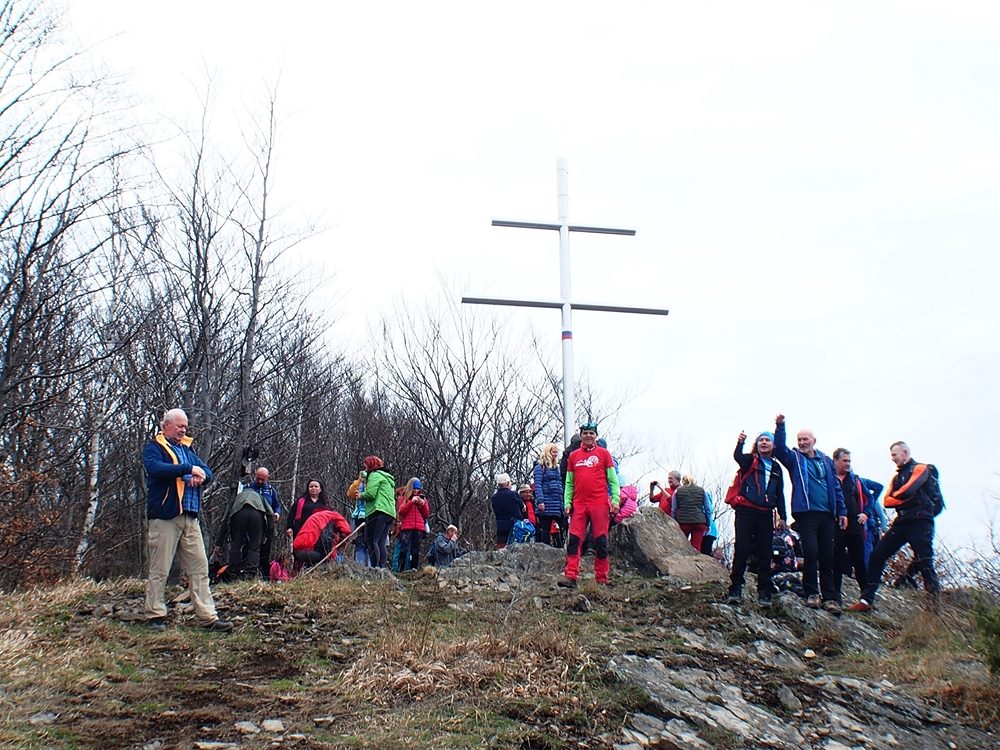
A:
337, 546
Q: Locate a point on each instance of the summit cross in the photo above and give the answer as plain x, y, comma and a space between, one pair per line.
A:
565, 303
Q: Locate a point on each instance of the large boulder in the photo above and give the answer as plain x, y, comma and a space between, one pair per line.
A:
655, 544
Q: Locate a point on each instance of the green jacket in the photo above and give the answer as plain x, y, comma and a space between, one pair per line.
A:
380, 493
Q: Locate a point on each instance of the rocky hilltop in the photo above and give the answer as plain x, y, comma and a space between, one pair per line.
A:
490, 653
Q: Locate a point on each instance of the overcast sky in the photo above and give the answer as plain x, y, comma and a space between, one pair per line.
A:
815, 192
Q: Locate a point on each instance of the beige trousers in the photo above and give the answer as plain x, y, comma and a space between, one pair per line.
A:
179, 536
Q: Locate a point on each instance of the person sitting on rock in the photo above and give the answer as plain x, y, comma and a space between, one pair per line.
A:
444, 549
319, 535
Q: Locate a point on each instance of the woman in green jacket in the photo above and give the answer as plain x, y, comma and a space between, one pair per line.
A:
380, 510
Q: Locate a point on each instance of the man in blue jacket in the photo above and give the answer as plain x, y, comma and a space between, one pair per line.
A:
818, 508
174, 478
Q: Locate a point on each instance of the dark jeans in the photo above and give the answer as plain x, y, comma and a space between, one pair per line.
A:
919, 534
754, 530
816, 529
410, 557
504, 526
265, 554
849, 547
377, 532
707, 544
246, 530
309, 556
543, 534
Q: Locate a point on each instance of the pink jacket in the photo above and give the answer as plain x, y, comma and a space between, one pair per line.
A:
279, 572
629, 503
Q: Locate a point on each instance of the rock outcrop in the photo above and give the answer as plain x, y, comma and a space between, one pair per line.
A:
655, 544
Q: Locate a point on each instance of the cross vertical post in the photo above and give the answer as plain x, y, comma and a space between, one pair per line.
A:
569, 382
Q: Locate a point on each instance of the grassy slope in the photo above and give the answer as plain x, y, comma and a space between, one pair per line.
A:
383, 667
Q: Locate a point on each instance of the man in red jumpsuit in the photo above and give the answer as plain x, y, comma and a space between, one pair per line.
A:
591, 496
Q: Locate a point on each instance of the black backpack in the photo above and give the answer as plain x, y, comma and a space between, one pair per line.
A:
934, 490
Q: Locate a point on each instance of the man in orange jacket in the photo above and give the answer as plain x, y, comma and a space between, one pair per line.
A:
915, 495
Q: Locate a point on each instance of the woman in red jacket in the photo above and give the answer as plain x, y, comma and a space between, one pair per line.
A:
412, 510
321, 532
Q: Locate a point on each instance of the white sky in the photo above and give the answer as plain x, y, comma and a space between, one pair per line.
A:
815, 192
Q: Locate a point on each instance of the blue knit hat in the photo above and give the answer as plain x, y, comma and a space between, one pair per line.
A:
416, 484
768, 435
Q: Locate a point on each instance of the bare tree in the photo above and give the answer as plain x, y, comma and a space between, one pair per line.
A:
476, 411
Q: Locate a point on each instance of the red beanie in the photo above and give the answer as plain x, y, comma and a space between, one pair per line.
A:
372, 463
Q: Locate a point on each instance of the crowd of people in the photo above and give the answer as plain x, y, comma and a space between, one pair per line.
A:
838, 522
573, 498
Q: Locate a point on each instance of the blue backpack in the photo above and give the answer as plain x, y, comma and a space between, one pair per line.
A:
522, 533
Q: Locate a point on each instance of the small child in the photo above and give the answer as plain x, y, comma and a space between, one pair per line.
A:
281, 568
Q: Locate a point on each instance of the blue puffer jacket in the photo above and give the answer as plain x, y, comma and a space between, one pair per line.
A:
797, 471
548, 490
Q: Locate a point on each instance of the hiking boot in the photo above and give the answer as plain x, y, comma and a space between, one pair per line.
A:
764, 600
156, 624
832, 607
567, 583
734, 597
218, 626
861, 606
814, 601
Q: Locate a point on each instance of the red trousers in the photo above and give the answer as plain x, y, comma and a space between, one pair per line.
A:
598, 515
694, 532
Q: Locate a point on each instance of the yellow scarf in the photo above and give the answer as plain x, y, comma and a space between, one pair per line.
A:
165, 444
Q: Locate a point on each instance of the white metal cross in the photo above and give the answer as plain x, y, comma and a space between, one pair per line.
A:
565, 302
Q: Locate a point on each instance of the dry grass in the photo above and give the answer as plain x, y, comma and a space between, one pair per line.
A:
415, 660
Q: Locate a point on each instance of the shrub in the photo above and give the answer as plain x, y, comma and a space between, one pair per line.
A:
988, 620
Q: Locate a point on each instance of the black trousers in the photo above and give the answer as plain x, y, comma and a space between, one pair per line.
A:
246, 531
849, 547
377, 533
410, 558
919, 534
265, 554
543, 534
816, 528
754, 529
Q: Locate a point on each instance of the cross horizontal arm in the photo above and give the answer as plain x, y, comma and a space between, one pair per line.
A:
510, 302
525, 224
601, 230
558, 305
556, 227
618, 309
